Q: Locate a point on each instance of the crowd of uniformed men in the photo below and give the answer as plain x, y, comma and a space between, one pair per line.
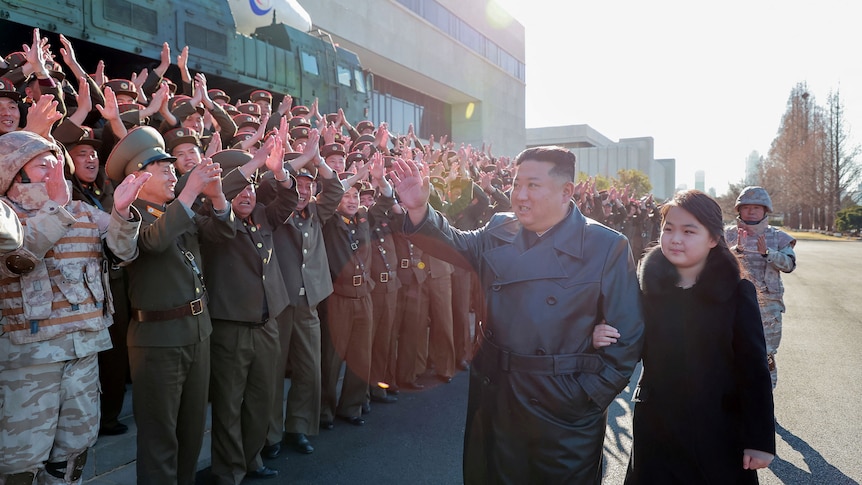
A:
248, 242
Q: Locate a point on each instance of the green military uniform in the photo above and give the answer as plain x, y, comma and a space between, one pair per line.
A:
302, 257
247, 294
168, 339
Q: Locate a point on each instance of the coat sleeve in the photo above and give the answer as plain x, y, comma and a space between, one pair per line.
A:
121, 235
754, 386
621, 307
439, 239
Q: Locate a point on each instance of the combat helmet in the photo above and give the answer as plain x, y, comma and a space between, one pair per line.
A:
16, 149
754, 195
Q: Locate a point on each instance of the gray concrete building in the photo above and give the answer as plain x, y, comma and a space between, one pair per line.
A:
443, 65
599, 155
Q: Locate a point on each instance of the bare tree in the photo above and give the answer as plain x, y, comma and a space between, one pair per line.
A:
844, 170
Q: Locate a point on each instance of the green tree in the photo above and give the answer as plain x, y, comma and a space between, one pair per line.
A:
637, 181
602, 183
849, 219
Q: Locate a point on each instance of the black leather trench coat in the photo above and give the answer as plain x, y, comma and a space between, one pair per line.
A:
536, 410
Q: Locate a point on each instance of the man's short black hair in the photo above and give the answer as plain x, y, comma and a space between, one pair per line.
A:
562, 158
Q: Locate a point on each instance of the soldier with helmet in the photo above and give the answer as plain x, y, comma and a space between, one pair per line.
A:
766, 252
56, 308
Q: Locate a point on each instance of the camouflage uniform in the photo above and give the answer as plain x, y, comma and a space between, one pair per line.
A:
55, 320
764, 272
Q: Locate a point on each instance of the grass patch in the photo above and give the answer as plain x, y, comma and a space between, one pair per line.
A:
816, 236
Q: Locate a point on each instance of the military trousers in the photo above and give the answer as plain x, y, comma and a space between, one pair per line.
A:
461, 296
171, 386
243, 362
48, 413
384, 308
345, 338
441, 346
299, 335
411, 332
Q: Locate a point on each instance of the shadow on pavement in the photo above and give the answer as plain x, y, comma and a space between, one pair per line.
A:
821, 470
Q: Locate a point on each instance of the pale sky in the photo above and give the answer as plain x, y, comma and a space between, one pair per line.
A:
708, 81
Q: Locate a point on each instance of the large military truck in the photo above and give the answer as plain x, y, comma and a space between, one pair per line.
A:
128, 35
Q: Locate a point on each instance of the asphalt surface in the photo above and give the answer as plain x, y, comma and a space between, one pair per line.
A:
819, 434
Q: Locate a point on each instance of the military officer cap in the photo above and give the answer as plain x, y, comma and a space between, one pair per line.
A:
332, 149
178, 136
122, 86
368, 138
130, 114
303, 171
248, 108
354, 157
236, 142
16, 59
215, 94
260, 95
299, 110
87, 138
140, 147
299, 133
184, 109
7, 89
176, 100
364, 125
358, 147
16, 149
358, 185
172, 86
439, 182
231, 159
246, 120
298, 121
365, 188
230, 109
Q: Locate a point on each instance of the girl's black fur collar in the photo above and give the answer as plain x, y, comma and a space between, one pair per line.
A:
717, 281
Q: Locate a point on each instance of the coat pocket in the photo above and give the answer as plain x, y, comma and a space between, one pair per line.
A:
71, 282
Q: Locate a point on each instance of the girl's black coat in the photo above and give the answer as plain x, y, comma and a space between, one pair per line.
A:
705, 392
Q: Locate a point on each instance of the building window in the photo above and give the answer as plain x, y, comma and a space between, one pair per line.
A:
309, 63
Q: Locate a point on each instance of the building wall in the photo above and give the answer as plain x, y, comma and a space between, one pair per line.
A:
598, 155
487, 104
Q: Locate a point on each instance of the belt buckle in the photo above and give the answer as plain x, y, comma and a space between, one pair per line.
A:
357, 280
405, 263
384, 277
197, 306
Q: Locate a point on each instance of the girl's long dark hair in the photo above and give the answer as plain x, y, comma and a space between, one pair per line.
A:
707, 211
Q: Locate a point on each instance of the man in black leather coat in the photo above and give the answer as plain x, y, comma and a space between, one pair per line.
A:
539, 392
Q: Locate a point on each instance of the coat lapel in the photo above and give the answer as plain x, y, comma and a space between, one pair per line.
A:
515, 262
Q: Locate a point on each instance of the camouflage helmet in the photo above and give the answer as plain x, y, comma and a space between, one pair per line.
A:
16, 149
754, 195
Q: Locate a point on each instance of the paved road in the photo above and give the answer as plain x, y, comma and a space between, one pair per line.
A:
419, 439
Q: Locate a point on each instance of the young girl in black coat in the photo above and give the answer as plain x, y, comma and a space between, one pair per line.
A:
704, 411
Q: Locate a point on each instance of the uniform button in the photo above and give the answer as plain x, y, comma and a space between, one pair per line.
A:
197, 290
353, 231
259, 245
486, 381
540, 351
305, 234
382, 240
305, 251
551, 300
303, 265
496, 287
534, 401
